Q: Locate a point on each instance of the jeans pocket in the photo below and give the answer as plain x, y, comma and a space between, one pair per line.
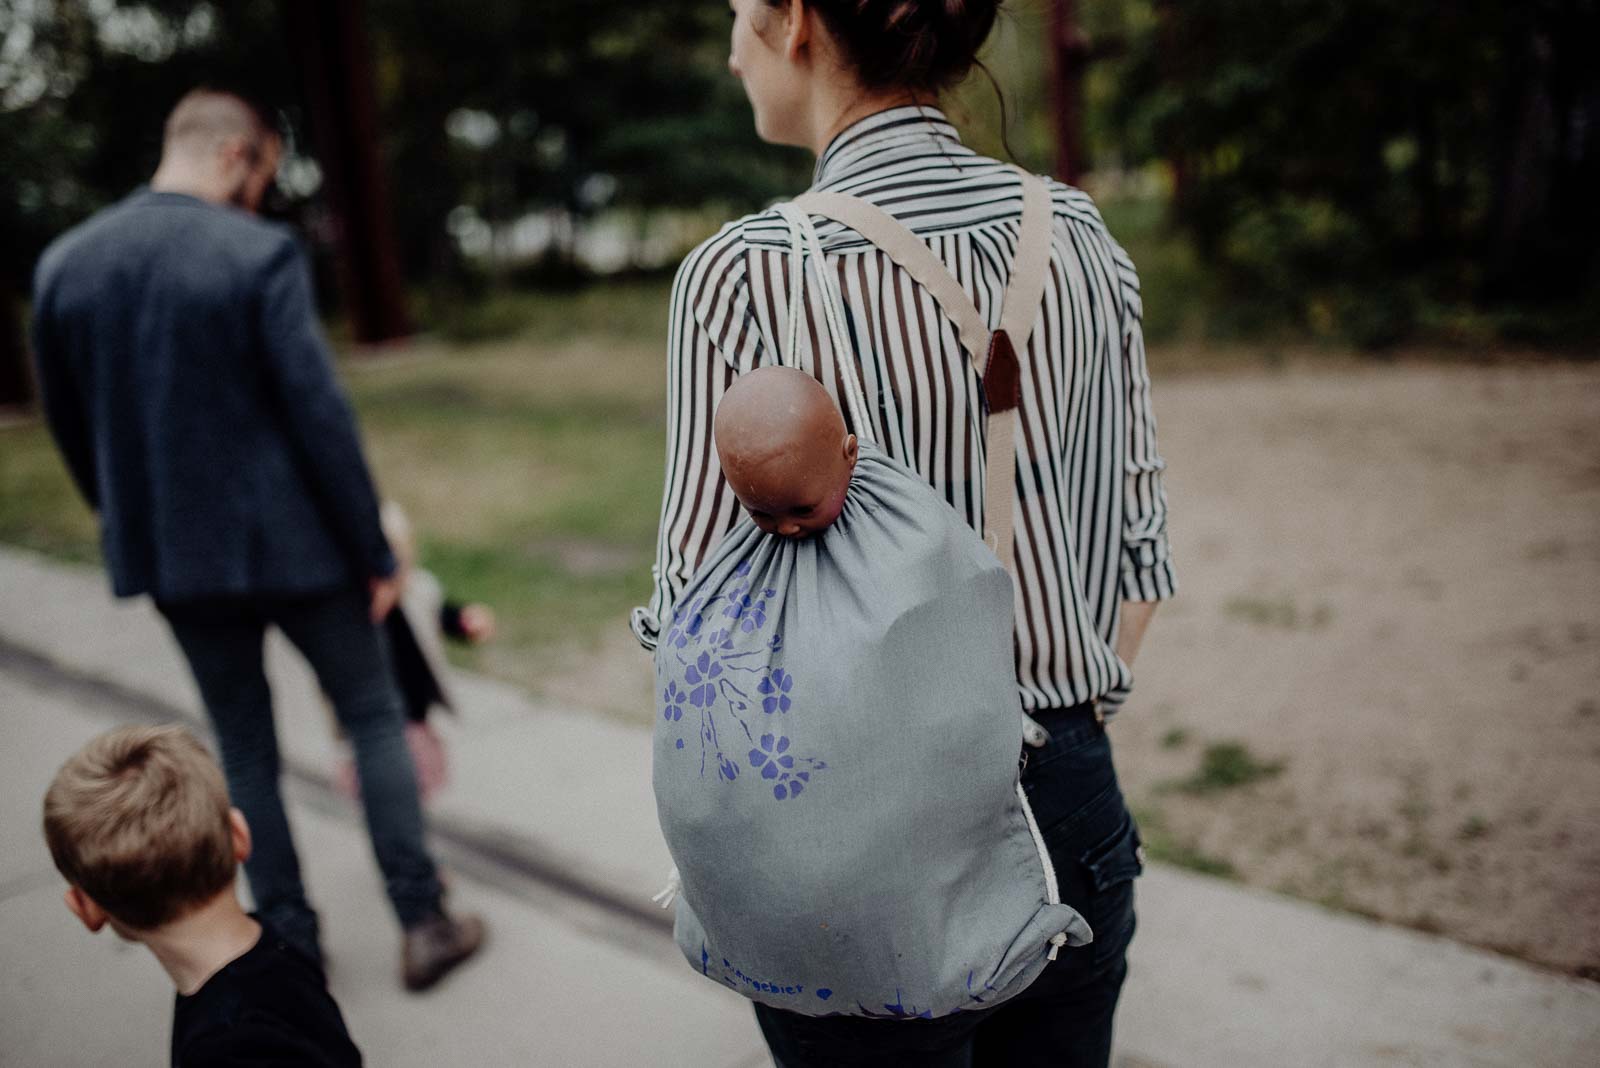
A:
1109, 867
1116, 859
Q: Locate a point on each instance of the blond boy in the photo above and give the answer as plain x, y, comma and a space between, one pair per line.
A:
138, 822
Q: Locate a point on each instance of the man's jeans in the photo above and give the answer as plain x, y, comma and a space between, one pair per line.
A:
223, 641
1064, 1018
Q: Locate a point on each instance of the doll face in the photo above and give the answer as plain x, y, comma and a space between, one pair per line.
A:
785, 451
801, 491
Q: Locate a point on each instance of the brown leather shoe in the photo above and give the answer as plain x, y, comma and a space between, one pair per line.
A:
433, 947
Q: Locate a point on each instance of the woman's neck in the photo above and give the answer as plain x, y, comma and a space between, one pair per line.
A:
833, 115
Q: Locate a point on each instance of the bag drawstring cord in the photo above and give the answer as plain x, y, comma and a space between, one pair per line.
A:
1057, 940
670, 891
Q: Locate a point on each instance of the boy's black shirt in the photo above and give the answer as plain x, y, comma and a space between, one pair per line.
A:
270, 1006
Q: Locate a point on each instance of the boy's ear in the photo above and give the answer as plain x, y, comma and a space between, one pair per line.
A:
240, 830
83, 906
852, 450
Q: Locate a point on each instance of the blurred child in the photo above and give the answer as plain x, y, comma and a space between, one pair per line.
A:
416, 628
138, 822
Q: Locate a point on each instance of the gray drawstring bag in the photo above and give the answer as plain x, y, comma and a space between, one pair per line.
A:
836, 756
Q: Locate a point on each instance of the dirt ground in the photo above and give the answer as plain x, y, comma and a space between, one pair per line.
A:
1391, 585
1379, 687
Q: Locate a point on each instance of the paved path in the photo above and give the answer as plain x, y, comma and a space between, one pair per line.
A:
551, 831
561, 983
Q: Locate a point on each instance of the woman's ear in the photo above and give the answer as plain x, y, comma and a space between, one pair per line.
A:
852, 450
798, 32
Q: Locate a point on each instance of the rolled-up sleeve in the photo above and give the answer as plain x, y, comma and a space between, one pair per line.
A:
1146, 569
711, 332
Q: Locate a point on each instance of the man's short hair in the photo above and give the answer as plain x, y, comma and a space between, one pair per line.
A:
138, 820
205, 118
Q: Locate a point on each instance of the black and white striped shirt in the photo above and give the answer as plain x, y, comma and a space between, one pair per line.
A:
1090, 515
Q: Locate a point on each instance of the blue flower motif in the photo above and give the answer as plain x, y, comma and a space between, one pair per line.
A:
687, 628
702, 677
790, 786
727, 768
672, 702
719, 640
743, 568
776, 686
773, 757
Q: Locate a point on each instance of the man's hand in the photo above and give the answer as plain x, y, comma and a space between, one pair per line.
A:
385, 595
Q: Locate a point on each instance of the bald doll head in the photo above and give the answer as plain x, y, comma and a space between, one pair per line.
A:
785, 450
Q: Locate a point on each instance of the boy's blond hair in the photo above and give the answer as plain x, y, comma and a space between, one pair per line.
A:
138, 820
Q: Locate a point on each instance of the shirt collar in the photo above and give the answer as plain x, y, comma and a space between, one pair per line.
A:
896, 133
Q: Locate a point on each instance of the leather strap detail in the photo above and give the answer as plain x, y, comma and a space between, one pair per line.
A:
1002, 376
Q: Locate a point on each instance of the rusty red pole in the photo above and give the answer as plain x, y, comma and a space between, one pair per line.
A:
1069, 53
330, 43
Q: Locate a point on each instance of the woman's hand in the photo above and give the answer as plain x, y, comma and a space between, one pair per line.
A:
1135, 618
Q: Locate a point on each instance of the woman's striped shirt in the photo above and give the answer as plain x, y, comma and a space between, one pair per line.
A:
1090, 517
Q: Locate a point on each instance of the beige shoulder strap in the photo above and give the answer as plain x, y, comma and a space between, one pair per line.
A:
913, 255
993, 353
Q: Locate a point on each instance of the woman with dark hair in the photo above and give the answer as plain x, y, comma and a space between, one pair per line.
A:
856, 81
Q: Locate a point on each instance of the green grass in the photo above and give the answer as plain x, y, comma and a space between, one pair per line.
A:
1227, 766
1174, 738
530, 466
1277, 612
634, 308
39, 507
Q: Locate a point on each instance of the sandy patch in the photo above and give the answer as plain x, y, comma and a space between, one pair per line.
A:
1391, 584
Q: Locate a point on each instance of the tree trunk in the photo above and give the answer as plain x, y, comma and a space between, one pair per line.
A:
16, 378
1068, 56
330, 44
1541, 234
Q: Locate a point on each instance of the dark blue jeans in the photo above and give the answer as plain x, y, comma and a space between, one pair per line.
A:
223, 642
1064, 1019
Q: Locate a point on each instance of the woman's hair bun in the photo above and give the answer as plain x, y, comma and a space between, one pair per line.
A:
926, 45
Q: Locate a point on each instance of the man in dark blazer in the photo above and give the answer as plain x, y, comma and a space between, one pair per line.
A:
188, 386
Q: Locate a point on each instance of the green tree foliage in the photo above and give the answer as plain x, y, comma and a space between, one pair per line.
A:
1356, 163
509, 107
84, 87
590, 105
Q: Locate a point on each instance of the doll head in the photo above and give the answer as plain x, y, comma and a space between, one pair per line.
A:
785, 451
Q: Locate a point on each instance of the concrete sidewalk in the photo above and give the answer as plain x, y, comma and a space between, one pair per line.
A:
1220, 974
